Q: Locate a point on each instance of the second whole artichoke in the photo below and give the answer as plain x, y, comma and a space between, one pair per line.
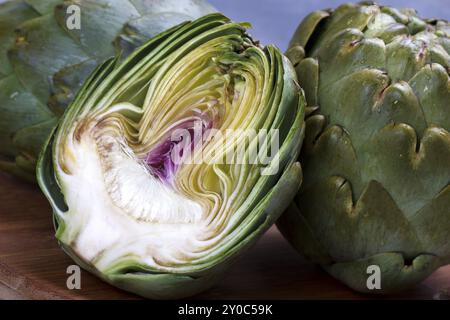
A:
376, 156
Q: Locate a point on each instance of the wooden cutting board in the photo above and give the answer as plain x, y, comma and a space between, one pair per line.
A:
33, 267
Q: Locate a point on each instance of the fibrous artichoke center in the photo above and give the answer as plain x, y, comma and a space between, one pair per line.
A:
126, 190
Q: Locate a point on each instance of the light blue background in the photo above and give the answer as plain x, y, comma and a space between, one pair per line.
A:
274, 21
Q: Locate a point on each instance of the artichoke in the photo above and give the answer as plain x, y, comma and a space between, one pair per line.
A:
45, 61
129, 211
376, 156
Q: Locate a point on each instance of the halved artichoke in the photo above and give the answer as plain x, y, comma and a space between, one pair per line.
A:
377, 149
44, 61
125, 209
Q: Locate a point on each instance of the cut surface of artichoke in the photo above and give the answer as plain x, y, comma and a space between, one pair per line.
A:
129, 204
112, 188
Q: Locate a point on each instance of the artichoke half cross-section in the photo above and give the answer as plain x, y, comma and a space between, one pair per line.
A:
376, 157
125, 209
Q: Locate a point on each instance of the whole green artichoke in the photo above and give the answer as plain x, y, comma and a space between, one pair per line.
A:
126, 207
43, 63
376, 155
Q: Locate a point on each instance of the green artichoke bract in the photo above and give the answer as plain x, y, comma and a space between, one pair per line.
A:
43, 63
125, 208
376, 155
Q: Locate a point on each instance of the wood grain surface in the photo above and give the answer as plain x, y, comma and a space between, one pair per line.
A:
33, 267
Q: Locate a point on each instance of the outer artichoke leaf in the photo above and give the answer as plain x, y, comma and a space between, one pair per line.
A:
308, 78
331, 146
296, 229
110, 17
306, 29
385, 27
66, 83
15, 167
339, 21
19, 109
357, 225
358, 93
398, 14
432, 223
43, 7
12, 13
193, 8
421, 165
431, 86
30, 139
314, 125
35, 65
350, 53
397, 274
138, 31
136, 217
399, 104
101, 21
404, 58
157, 16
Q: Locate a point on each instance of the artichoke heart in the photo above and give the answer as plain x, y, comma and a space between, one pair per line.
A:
376, 157
148, 188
